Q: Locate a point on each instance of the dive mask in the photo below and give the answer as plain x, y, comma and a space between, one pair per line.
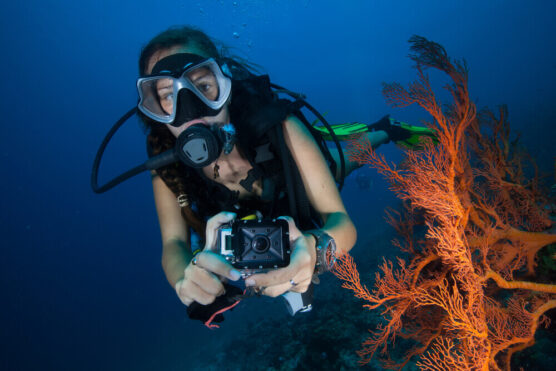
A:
183, 87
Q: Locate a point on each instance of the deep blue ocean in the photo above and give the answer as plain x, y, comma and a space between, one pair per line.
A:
82, 286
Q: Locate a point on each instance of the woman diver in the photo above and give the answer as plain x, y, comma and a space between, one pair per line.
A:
242, 151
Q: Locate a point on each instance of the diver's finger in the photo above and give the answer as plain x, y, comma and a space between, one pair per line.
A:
274, 277
183, 293
216, 263
209, 282
188, 292
199, 295
275, 290
301, 254
295, 233
212, 227
301, 286
292, 285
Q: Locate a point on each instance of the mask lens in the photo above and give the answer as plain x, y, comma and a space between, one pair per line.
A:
165, 92
157, 96
204, 81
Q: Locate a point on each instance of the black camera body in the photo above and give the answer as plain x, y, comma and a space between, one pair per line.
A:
255, 244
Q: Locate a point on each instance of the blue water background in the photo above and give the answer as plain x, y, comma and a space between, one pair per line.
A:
82, 286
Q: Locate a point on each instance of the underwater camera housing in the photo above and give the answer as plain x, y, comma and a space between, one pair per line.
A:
255, 244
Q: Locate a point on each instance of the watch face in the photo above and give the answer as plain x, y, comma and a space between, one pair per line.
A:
330, 258
326, 251
330, 254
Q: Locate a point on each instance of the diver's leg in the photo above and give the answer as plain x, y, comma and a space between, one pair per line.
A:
375, 137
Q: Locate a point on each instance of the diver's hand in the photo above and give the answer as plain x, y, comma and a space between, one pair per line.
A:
203, 276
297, 275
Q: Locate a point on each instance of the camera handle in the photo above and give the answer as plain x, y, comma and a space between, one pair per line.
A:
299, 302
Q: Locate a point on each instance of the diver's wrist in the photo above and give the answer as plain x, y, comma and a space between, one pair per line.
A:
312, 244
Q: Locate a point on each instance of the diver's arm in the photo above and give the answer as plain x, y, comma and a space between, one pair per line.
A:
319, 184
176, 253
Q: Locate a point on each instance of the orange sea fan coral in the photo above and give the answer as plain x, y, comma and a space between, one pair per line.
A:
484, 225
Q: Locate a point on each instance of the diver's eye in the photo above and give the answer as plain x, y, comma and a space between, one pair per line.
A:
205, 88
166, 100
205, 82
169, 97
208, 88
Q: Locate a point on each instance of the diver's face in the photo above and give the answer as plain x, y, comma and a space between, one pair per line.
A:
203, 79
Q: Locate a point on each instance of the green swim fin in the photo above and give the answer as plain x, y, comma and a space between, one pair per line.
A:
401, 133
404, 135
416, 137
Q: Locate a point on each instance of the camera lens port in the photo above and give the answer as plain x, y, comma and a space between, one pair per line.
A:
260, 243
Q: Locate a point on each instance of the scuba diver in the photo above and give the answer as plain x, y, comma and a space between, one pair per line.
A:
223, 147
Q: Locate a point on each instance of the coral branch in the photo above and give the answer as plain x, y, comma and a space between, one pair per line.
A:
485, 222
533, 286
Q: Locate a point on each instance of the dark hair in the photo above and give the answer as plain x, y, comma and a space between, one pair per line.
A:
178, 36
182, 181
